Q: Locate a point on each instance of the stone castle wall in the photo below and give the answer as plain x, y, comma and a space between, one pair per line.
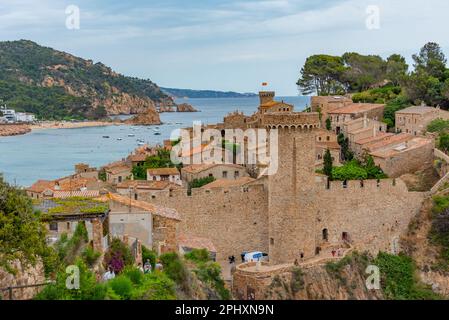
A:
234, 219
373, 215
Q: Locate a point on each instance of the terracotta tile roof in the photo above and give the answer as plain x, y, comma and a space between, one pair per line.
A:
379, 136
414, 143
140, 157
71, 194
163, 172
417, 110
72, 183
394, 139
226, 183
194, 242
197, 168
118, 169
143, 205
274, 103
148, 185
41, 185
357, 108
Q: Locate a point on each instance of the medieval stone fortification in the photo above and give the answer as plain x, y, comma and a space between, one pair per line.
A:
296, 214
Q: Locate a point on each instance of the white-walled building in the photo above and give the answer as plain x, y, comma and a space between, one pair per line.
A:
164, 174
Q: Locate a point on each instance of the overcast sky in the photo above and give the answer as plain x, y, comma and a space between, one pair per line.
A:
224, 45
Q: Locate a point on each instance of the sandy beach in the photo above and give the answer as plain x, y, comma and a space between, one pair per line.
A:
70, 125
20, 129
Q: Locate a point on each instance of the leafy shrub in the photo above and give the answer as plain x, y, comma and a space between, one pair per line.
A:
118, 256
398, 279
122, 286
198, 255
90, 256
134, 274
155, 286
198, 183
438, 125
210, 272
89, 289
174, 267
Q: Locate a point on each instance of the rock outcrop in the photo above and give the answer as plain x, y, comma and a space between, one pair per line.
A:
185, 107
13, 129
150, 117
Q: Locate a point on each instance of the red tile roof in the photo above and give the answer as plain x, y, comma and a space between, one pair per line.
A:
357, 108
163, 172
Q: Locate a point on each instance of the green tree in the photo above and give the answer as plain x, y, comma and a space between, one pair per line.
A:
431, 61
328, 164
363, 71
328, 124
443, 142
397, 68
22, 234
321, 75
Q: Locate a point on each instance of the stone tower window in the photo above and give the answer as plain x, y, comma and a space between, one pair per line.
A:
272, 241
325, 234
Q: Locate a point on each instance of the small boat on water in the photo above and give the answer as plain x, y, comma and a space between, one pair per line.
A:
131, 135
119, 139
157, 133
141, 143
106, 137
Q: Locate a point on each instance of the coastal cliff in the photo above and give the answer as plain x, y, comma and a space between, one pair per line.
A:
56, 85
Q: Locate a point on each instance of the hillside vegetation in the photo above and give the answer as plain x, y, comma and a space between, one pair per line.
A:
56, 85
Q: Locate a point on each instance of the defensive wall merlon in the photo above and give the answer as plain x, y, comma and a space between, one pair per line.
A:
296, 120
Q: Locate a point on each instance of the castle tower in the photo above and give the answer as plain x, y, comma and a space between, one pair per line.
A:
291, 212
266, 96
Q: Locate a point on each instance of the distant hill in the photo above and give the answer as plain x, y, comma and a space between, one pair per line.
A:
189, 93
57, 85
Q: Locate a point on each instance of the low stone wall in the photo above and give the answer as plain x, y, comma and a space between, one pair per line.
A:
24, 277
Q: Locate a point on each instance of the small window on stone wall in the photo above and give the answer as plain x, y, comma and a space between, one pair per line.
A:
272, 241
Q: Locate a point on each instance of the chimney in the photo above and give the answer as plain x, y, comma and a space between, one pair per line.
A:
374, 131
365, 122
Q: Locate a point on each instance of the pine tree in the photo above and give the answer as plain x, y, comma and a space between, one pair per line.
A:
328, 164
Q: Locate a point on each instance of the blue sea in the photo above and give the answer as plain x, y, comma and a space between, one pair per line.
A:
52, 153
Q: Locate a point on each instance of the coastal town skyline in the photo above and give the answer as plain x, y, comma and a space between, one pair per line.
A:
226, 39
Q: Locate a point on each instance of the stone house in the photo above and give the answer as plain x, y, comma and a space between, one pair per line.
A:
362, 128
118, 173
415, 119
218, 171
144, 189
406, 156
324, 104
155, 226
326, 140
354, 111
74, 184
164, 174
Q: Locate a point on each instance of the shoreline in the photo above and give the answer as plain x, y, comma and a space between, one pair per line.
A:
9, 130
71, 125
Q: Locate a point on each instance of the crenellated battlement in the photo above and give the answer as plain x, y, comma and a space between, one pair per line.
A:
360, 185
294, 120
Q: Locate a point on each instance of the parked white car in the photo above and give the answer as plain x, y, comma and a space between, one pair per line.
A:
256, 256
